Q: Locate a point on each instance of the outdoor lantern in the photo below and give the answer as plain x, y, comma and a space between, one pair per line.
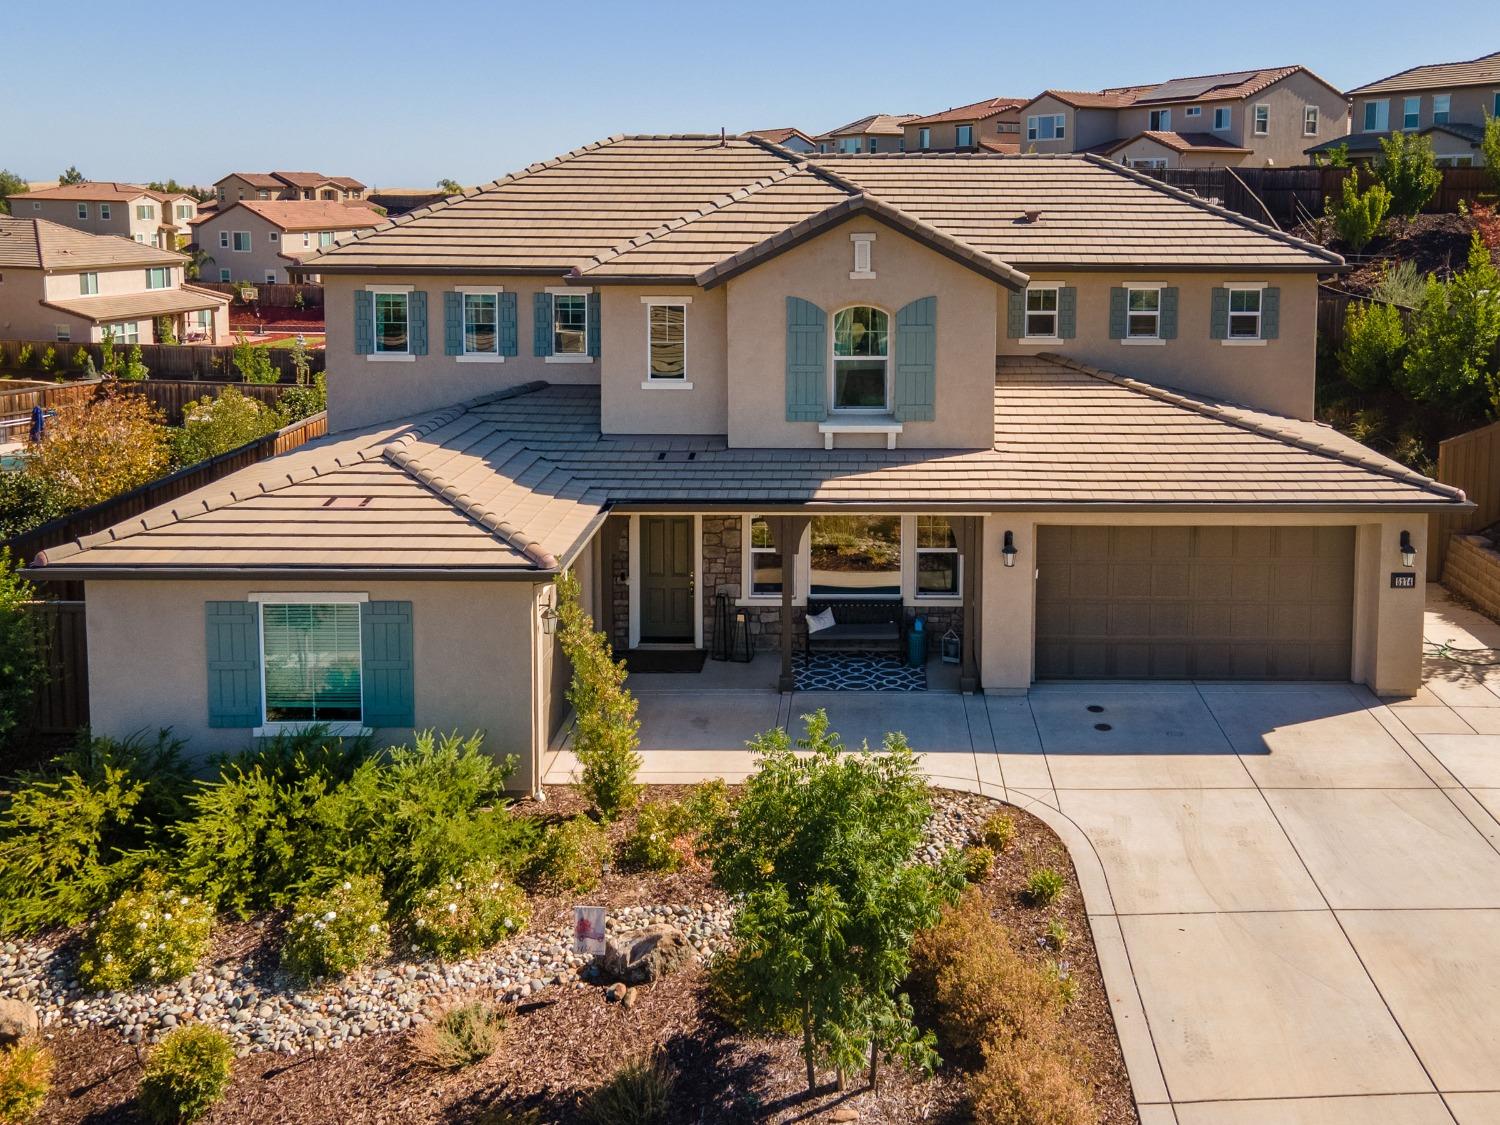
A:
550, 618
1408, 552
1008, 552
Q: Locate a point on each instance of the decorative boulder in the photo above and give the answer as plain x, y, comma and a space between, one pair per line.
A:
17, 1020
645, 955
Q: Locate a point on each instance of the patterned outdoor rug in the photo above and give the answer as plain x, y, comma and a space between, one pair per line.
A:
855, 671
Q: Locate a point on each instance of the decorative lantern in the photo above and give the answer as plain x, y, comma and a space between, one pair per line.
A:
952, 647
1008, 552
1408, 552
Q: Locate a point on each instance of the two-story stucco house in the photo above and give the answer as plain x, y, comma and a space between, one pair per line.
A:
993, 125
263, 240
876, 132
57, 283
1250, 118
1056, 410
285, 185
155, 218
1445, 102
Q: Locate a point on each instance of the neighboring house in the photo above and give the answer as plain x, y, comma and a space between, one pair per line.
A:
400, 200
794, 139
259, 241
879, 132
1069, 421
1247, 118
285, 185
155, 218
57, 283
1445, 102
993, 124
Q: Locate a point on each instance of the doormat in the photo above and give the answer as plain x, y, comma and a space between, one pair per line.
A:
855, 671
665, 659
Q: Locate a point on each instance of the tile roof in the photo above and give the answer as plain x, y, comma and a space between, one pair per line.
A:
1483, 71
146, 303
518, 481
679, 205
1370, 142
40, 244
308, 214
874, 125
1177, 142
777, 136
254, 179
292, 179
1229, 86
974, 111
105, 191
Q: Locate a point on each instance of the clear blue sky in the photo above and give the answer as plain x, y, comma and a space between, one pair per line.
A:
402, 92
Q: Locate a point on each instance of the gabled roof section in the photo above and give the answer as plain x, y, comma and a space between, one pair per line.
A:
872, 125
778, 136
305, 214
1483, 71
146, 303
1228, 86
40, 244
974, 111
104, 191
1177, 142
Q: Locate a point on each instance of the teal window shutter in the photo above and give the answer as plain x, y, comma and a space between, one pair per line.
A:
1168, 327
364, 322
541, 325
453, 323
1015, 318
1067, 312
594, 324
507, 324
233, 649
1117, 302
806, 361
916, 361
418, 307
1270, 313
1218, 318
386, 673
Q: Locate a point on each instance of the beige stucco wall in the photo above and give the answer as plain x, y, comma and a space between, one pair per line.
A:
1147, 148
1467, 106
818, 271
697, 405
945, 134
1085, 127
131, 279
24, 317
1278, 375
1387, 645
475, 658
243, 265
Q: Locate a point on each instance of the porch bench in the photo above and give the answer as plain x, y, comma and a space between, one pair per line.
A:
878, 623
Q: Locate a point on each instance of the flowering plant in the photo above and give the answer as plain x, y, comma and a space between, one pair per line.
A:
469, 912
336, 930
150, 934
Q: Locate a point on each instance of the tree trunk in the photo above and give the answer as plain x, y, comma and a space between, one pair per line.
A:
874, 1065
839, 1074
807, 1046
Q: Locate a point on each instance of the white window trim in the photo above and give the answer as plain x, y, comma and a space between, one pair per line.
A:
249, 242
479, 357
840, 417
1193, 111
1258, 340
64, 334
909, 592
104, 212
1055, 338
224, 276
391, 357
1406, 98
1310, 111
273, 236
1228, 118
872, 422
282, 598
1147, 341
748, 596
963, 144
223, 240
1365, 116
390, 288
265, 729
83, 210
1447, 109
1164, 120
863, 257
1255, 119
570, 291
666, 383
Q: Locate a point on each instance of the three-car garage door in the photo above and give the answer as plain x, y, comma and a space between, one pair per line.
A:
1256, 603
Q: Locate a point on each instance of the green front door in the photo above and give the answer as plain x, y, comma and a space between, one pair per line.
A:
666, 579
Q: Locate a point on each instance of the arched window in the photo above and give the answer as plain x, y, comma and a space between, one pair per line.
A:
861, 358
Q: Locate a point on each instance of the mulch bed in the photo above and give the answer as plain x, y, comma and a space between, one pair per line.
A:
1435, 243
568, 1038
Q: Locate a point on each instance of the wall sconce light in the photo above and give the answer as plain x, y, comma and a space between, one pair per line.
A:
550, 617
1408, 552
1008, 552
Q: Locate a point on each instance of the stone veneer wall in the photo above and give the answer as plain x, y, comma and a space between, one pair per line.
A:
616, 532
1472, 571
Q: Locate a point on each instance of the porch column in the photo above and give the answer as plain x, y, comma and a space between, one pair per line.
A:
971, 547
786, 532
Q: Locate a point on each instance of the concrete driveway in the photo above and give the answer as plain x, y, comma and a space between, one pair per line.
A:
1294, 889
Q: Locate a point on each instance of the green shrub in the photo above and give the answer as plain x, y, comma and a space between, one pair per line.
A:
212, 426
1407, 167
1044, 886
303, 401
1357, 215
570, 856
149, 935
49, 359
253, 364
186, 1074
1489, 145
639, 1093
999, 831
83, 361
22, 666
661, 835
1450, 356
26, 501
977, 861
135, 369
23, 357
1374, 345
460, 1037
708, 805
1400, 283
469, 912
336, 930
25, 1079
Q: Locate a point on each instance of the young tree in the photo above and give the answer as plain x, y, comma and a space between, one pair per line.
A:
212, 426
1336, 157
71, 176
1489, 145
1408, 169
1358, 215
96, 450
820, 858
1374, 345
1450, 360
20, 646
10, 184
253, 364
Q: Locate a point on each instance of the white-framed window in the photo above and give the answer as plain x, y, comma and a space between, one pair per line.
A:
145, 210
855, 556
481, 323
273, 237
1160, 121
391, 323
1454, 161
1193, 111
325, 238
924, 138
311, 663
262, 194
1262, 119
139, 237
1377, 115
184, 212
64, 333
1047, 127
1041, 311
125, 332
1442, 105
938, 566
1411, 112
270, 277
240, 241
864, 268
104, 210
1309, 121
1143, 314
963, 136
158, 277
1221, 118
88, 284
848, 144
83, 210
874, 144
763, 565
1151, 163
861, 359
666, 341
1244, 314
570, 324
306, 239
223, 240
223, 275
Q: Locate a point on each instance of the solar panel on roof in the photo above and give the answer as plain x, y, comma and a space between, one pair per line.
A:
1180, 88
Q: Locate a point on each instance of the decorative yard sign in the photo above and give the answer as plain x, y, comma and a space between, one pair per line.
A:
588, 929
1403, 581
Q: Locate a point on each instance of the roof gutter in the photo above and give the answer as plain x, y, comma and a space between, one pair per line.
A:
998, 507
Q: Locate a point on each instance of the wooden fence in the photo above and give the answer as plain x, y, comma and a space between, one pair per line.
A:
1471, 462
164, 361
272, 295
1333, 309
61, 703
170, 396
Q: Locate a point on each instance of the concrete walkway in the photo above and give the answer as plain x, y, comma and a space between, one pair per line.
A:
1294, 889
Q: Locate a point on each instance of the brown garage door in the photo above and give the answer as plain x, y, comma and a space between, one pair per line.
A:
1252, 603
